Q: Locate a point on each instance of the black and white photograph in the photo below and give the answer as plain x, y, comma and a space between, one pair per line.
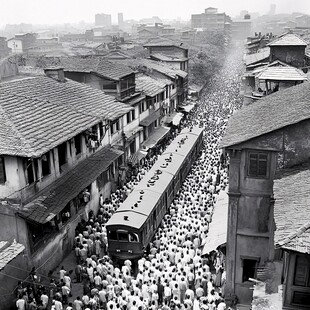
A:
155, 155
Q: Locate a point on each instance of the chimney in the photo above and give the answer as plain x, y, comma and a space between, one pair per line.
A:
56, 73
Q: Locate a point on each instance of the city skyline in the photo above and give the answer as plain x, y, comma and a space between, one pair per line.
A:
35, 11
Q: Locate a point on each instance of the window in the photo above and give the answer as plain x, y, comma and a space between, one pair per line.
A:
122, 235
113, 235
249, 269
115, 126
302, 271
62, 153
2, 171
31, 166
77, 143
46, 164
103, 179
133, 115
257, 164
301, 298
65, 213
133, 237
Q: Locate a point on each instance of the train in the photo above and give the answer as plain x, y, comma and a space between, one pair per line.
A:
132, 227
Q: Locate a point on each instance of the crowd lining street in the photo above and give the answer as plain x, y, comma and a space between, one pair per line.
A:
174, 274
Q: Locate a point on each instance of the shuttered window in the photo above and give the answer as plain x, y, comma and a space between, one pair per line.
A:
302, 271
2, 171
257, 164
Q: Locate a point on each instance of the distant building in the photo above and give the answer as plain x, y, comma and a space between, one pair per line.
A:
22, 42
210, 20
103, 20
241, 29
120, 18
4, 49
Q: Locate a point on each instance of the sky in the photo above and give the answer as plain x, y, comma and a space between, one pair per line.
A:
74, 11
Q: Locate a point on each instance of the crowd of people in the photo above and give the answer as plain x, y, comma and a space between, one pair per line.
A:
173, 274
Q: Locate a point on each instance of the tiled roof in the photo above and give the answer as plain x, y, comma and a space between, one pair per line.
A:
288, 39
149, 86
8, 252
283, 108
99, 65
37, 114
51, 200
257, 57
141, 64
282, 74
163, 42
292, 209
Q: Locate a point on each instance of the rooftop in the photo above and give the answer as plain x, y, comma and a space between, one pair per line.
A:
292, 209
103, 67
39, 113
8, 251
288, 39
257, 57
280, 109
149, 86
278, 73
147, 64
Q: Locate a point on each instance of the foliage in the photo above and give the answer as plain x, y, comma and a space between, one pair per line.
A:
206, 54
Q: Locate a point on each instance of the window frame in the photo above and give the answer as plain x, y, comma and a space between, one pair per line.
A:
248, 163
2, 165
253, 258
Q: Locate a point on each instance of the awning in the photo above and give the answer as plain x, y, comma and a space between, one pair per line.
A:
217, 234
8, 251
155, 137
137, 156
177, 118
187, 108
51, 200
150, 119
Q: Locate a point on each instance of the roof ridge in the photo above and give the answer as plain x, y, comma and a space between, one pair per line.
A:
295, 234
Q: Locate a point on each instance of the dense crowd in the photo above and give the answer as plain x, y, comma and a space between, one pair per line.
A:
173, 274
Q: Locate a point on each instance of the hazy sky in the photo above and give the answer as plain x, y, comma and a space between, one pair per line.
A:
71, 11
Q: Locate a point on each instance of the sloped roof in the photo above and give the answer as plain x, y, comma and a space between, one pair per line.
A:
160, 41
140, 64
164, 57
283, 108
149, 86
39, 113
99, 65
282, 74
292, 209
288, 39
257, 57
8, 251
51, 200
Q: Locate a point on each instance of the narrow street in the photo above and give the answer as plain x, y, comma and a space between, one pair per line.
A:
187, 222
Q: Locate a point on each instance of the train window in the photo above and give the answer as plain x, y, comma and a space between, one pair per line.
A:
133, 237
122, 236
113, 235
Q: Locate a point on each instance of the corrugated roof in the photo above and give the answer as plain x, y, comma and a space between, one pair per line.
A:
9, 251
51, 200
39, 113
288, 39
283, 108
292, 209
257, 57
282, 74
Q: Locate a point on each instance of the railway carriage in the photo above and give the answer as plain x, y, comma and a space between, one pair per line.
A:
131, 228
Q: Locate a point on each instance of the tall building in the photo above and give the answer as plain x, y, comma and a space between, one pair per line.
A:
103, 20
120, 18
210, 20
272, 10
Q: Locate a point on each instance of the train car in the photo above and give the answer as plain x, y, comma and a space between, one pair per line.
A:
131, 228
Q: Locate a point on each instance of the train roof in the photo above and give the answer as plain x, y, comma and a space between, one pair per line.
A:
155, 182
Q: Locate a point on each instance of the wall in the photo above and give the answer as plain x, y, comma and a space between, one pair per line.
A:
250, 221
12, 183
293, 55
7, 69
16, 46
